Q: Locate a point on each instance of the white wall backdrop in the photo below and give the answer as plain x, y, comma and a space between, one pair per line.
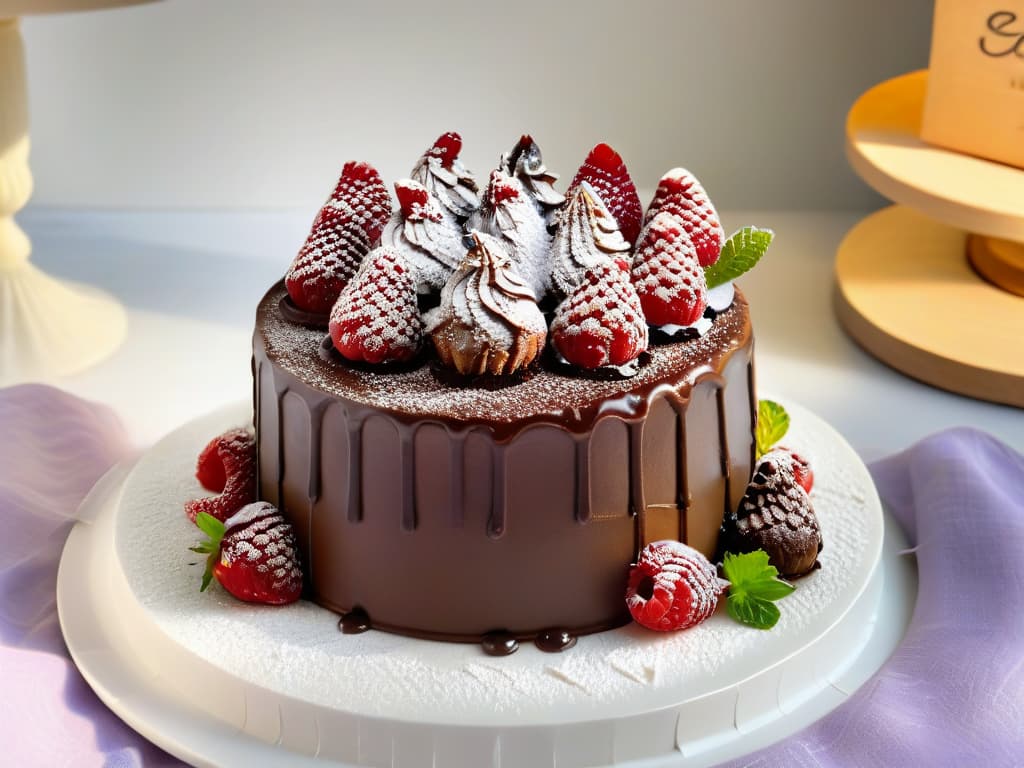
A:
256, 103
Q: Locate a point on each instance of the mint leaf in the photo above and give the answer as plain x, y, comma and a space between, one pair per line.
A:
210, 525
754, 612
754, 585
772, 425
739, 254
776, 589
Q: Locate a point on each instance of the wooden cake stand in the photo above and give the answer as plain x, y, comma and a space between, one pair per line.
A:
934, 286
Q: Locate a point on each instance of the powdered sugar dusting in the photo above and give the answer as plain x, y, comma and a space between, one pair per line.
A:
295, 350
511, 215
587, 236
679, 192
361, 193
441, 171
428, 238
667, 274
259, 534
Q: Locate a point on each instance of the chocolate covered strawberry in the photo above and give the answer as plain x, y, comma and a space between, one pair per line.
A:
607, 174
226, 466
328, 259
253, 555
361, 192
376, 319
601, 322
672, 587
680, 193
441, 171
667, 274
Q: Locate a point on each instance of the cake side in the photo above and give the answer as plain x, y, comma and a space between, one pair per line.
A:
453, 513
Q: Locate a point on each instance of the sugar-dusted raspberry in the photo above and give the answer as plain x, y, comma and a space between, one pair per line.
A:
680, 192
376, 319
328, 259
672, 586
607, 174
441, 171
227, 466
601, 322
667, 274
362, 193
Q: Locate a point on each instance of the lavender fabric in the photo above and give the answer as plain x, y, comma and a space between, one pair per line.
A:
952, 694
54, 449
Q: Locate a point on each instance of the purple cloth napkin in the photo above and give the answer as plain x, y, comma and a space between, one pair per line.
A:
952, 694
53, 449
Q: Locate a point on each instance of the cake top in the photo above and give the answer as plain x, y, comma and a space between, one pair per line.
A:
418, 393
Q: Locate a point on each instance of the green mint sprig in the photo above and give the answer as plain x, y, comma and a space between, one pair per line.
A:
754, 587
772, 425
739, 254
214, 529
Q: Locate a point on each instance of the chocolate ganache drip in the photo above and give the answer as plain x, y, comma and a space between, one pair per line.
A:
488, 321
587, 236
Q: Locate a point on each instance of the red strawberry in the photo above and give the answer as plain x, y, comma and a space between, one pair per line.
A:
227, 466
446, 149
328, 259
672, 586
802, 472
416, 202
441, 171
376, 318
666, 274
680, 193
253, 555
361, 192
606, 172
601, 322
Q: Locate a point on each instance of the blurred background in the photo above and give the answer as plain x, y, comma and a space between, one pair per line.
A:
243, 104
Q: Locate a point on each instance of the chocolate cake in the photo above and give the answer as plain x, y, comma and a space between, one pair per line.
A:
478, 440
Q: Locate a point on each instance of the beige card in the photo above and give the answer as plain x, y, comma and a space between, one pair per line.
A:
975, 100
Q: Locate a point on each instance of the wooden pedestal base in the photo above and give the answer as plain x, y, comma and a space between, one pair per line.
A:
907, 293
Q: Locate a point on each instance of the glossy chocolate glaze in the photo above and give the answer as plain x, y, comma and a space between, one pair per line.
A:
450, 513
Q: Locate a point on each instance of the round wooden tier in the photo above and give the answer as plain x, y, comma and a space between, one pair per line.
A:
884, 147
907, 295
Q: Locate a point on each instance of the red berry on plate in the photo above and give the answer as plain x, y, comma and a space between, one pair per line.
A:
667, 275
253, 555
227, 465
672, 586
328, 259
680, 193
362, 193
601, 322
607, 174
801, 467
376, 319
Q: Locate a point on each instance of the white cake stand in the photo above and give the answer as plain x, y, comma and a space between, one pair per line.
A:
219, 682
934, 287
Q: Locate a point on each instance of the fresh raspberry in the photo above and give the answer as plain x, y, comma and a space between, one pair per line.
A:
801, 467
416, 202
601, 322
361, 192
606, 172
253, 555
775, 515
672, 586
441, 171
680, 193
501, 188
376, 318
227, 465
328, 259
667, 275
446, 149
